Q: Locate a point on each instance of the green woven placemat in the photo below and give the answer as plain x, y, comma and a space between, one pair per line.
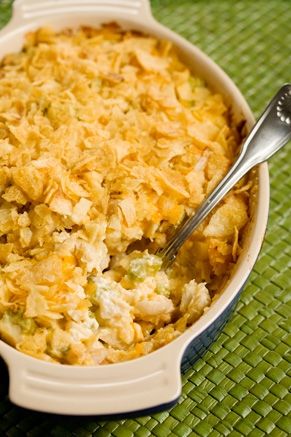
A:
241, 386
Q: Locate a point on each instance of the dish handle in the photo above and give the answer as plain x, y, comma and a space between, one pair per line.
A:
140, 385
26, 10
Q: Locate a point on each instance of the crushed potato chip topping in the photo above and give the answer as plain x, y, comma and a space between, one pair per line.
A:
106, 142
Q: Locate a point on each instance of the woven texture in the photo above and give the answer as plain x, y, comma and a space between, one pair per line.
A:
241, 386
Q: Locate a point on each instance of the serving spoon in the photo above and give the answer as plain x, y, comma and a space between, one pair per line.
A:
271, 132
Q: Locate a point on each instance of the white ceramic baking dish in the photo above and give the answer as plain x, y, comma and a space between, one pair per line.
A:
154, 381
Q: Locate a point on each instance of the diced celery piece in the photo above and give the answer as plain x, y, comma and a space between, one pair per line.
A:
9, 331
27, 325
146, 265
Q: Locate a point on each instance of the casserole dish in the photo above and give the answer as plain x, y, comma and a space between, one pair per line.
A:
152, 381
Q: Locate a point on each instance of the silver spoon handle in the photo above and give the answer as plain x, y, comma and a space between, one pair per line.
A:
271, 132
